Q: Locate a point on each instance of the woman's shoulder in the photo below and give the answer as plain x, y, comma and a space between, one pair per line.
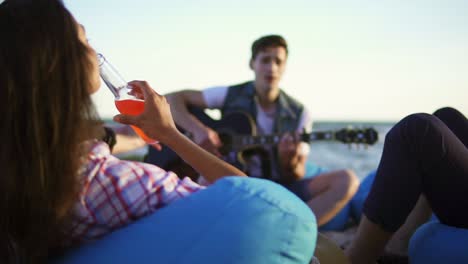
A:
96, 148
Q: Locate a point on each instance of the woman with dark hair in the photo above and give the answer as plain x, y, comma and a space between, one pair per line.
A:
58, 184
424, 164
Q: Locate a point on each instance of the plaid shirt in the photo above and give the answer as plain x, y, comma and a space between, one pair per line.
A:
116, 192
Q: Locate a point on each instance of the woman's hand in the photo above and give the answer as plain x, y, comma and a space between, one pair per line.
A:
157, 123
156, 120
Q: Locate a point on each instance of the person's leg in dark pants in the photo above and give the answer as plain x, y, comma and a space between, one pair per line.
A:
421, 213
455, 121
421, 156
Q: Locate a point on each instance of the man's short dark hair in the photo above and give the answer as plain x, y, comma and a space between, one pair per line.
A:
266, 42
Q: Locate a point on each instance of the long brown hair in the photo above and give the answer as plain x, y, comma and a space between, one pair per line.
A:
46, 115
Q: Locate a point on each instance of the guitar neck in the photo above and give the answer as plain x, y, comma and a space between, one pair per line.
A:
248, 140
236, 132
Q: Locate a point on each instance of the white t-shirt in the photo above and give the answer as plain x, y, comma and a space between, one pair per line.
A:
214, 98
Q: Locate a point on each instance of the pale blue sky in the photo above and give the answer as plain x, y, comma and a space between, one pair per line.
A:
349, 60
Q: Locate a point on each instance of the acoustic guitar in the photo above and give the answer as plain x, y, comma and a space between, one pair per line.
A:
239, 139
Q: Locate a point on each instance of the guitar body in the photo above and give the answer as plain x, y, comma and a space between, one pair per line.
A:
233, 124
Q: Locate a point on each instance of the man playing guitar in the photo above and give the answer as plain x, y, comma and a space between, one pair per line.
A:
274, 112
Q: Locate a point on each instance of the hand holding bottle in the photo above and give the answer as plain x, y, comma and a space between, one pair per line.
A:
156, 119
127, 101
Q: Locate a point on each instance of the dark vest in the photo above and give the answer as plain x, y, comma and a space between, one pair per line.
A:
241, 98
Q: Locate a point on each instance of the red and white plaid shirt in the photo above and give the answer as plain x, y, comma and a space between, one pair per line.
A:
116, 192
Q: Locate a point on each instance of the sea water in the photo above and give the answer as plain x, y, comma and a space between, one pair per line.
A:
336, 155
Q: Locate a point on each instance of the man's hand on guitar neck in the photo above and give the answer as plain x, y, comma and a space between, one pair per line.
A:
208, 139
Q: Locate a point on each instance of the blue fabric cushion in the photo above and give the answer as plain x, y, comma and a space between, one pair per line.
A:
357, 202
236, 220
312, 170
435, 242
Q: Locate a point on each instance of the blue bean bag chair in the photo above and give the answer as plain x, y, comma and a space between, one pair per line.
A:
236, 220
432, 243
435, 242
312, 170
357, 202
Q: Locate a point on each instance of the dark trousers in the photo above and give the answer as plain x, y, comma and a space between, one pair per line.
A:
423, 154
